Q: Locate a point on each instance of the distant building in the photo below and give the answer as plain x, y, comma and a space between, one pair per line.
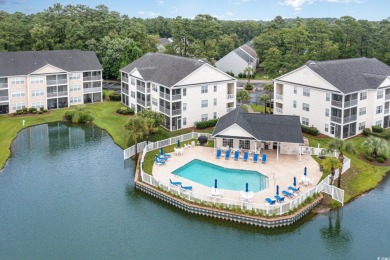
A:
185, 90
237, 60
338, 97
163, 43
49, 79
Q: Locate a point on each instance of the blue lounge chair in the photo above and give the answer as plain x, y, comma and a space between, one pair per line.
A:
236, 155
176, 183
227, 155
219, 153
294, 189
162, 158
264, 158
186, 187
165, 155
246, 156
270, 202
255, 157
287, 194
279, 199
159, 162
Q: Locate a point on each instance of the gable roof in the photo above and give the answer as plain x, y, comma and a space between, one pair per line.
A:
244, 55
351, 75
164, 69
165, 41
266, 127
26, 62
249, 50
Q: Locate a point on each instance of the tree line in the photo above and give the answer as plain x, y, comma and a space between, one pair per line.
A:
282, 44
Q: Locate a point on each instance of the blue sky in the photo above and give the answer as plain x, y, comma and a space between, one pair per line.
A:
223, 9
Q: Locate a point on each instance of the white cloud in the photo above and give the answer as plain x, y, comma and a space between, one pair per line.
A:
152, 14
141, 12
298, 4
229, 13
160, 2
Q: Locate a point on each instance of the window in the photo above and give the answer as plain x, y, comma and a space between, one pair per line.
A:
132, 81
327, 112
227, 142
18, 80
379, 94
362, 111
378, 123
244, 144
294, 104
327, 96
74, 88
184, 121
18, 106
215, 88
74, 76
18, 93
154, 101
204, 89
363, 96
73, 100
36, 80
132, 106
306, 92
326, 128
362, 125
295, 89
379, 109
184, 106
132, 94
37, 92
184, 92
38, 104
203, 117
305, 121
205, 103
215, 101
215, 115
305, 107
154, 88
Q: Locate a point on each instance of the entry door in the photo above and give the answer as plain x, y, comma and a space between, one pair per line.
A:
179, 123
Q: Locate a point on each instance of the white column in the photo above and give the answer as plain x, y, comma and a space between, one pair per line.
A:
255, 146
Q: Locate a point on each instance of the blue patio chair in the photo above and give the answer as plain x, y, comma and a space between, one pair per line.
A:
264, 158
227, 155
186, 187
295, 190
246, 156
176, 183
287, 194
159, 162
236, 155
165, 155
256, 158
279, 199
270, 202
219, 153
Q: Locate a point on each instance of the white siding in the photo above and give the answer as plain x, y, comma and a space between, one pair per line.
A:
232, 63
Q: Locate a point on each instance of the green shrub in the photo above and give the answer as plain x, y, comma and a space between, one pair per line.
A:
380, 160
240, 75
41, 109
369, 158
309, 130
19, 111
40, 112
377, 129
206, 124
44, 110
32, 109
248, 87
384, 156
367, 131
115, 97
25, 110
69, 114
76, 118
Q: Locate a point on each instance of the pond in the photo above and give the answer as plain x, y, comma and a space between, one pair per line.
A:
67, 193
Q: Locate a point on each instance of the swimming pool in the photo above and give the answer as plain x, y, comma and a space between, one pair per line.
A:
230, 179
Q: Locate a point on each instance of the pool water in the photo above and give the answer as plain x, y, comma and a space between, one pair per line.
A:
229, 179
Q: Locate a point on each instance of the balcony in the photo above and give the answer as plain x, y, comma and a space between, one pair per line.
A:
52, 94
148, 103
350, 103
279, 110
164, 110
165, 96
279, 96
337, 103
3, 85
92, 78
141, 89
386, 111
91, 90
62, 81
4, 98
176, 112
350, 118
126, 80
141, 102
62, 93
230, 96
176, 97
228, 109
336, 119
387, 97
51, 82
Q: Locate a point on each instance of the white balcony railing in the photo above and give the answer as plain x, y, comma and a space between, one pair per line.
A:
164, 110
89, 78
176, 112
91, 90
336, 119
52, 94
126, 80
230, 96
350, 118
51, 82
386, 111
4, 98
62, 93
141, 89
62, 81
350, 103
337, 103
165, 96
279, 110
176, 97
3, 85
141, 102
279, 96
228, 109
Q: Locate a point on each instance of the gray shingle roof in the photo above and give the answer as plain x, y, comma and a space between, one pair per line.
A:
243, 55
164, 69
26, 62
249, 50
265, 127
351, 75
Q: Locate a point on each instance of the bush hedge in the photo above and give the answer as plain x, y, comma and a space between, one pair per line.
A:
125, 111
115, 97
310, 130
377, 129
31, 110
248, 87
385, 134
79, 116
380, 160
206, 124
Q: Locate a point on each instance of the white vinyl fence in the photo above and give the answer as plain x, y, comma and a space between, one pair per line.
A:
278, 209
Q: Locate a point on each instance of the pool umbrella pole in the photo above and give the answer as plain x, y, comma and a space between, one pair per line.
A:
246, 188
277, 190
295, 182
305, 171
215, 184
178, 143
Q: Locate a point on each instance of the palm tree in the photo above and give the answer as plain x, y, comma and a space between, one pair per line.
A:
150, 128
264, 98
137, 128
269, 88
242, 95
249, 71
375, 146
152, 120
341, 146
331, 164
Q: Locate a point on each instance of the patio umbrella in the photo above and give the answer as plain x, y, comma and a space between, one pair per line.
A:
295, 182
162, 151
215, 183
305, 171
277, 189
178, 143
246, 187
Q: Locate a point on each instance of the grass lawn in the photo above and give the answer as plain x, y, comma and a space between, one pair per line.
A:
259, 108
361, 177
258, 77
11, 125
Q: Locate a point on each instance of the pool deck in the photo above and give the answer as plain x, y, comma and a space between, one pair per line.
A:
279, 171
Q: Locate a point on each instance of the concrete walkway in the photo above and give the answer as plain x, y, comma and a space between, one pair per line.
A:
250, 110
